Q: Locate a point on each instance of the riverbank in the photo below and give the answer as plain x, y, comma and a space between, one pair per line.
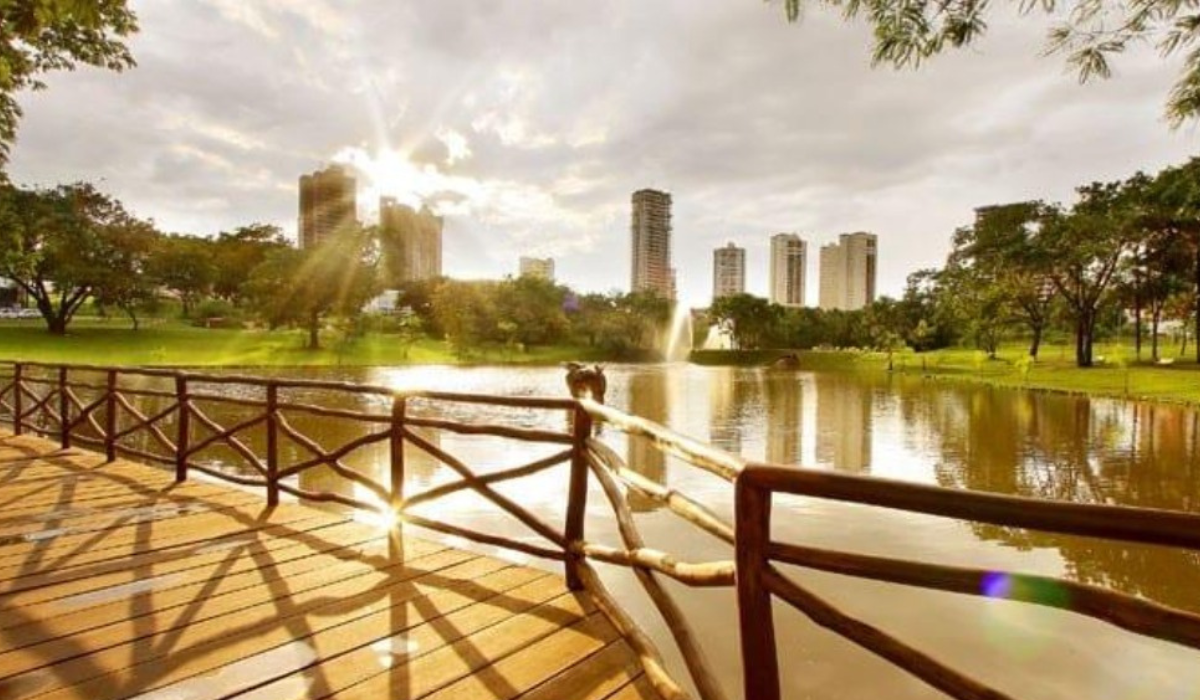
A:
177, 345
1116, 374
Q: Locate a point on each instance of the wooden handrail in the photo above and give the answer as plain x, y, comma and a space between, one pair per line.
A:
758, 580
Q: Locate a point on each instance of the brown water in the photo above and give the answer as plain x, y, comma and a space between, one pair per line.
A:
1042, 445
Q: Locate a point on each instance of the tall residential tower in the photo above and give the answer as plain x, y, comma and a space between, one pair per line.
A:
411, 241
327, 203
536, 267
848, 272
651, 244
789, 259
729, 271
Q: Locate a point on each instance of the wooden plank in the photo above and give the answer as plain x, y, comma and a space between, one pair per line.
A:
422, 643
252, 604
188, 491
173, 557
369, 646
640, 689
54, 527
595, 677
436, 670
513, 675
102, 614
244, 554
209, 646
69, 550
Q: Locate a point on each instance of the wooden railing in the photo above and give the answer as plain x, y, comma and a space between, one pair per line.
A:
173, 425
758, 579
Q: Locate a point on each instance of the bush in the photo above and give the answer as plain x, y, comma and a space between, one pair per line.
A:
216, 313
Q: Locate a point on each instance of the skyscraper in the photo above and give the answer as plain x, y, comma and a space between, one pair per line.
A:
848, 272
789, 261
327, 203
651, 244
411, 241
729, 271
537, 267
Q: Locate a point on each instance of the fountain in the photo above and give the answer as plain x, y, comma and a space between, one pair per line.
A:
717, 339
678, 345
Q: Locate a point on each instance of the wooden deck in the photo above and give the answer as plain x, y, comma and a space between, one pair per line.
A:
116, 582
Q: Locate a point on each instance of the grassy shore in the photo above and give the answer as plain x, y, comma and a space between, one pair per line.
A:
174, 344
1116, 373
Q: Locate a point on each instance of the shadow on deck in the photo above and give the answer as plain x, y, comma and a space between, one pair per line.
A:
118, 582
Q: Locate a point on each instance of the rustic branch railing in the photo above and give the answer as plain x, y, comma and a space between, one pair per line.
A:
172, 418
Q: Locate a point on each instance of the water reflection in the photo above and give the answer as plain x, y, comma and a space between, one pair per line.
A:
647, 391
784, 396
844, 423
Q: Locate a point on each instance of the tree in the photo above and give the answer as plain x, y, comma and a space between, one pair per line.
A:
237, 253
39, 36
748, 319
996, 264
1081, 251
65, 244
184, 265
466, 311
306, 286
534, 308
123, 281
1175, 204
1089, 32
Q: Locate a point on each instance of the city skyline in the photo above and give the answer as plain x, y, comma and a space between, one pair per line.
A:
522, 156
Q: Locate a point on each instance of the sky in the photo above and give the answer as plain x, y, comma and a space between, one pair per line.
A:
529, 124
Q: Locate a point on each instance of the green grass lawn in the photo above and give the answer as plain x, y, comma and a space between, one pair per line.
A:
1116, 372
176, 344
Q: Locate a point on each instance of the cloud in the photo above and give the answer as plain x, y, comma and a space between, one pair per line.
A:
529, 124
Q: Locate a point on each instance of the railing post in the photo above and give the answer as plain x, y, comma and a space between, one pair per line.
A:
272, 444
183, 437
17, 407
64, 408
110, 417
577, 495
752, 519
396, 447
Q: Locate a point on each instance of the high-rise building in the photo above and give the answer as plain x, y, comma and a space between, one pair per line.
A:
729, 271
651, 244
848, 272
789, 261
411, 241
537, 267
327, 203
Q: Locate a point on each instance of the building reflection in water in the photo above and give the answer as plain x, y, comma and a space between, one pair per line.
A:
648, 396
784, 394
844, 407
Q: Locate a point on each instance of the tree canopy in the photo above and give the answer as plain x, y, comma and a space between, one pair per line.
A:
39, 36
1088, 32
64, 245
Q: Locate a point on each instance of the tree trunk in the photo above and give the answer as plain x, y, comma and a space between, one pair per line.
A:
314, 332
1137, 310
57, 324
1196, 297
1154, 321
1036, 343
1084, 328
